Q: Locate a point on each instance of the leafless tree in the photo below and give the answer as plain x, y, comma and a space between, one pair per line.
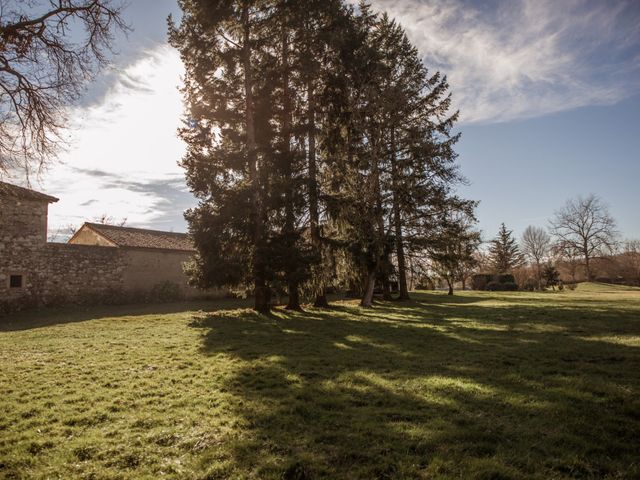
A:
631, 258
585, 225
62, 233
49, 50
566, 255
535, 245
106, 219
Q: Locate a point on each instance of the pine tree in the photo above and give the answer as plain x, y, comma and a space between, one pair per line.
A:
394, 152
419, 144
504, 252
318, 39
319, 147
223, 46
453, 244
551, 275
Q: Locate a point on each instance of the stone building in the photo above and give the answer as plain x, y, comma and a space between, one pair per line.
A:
100, 263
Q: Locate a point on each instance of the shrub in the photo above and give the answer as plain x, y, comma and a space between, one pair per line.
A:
480, 281
167, 292
494, 286
504, 278
485, 281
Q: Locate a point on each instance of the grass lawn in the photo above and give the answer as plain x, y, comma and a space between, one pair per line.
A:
479, 385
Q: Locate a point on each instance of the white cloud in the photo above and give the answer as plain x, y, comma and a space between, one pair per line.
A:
124, 151
515, 59
525, 58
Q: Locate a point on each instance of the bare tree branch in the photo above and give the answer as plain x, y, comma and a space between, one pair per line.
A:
46, 59
584, 225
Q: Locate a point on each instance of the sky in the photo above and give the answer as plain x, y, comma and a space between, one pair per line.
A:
548, 93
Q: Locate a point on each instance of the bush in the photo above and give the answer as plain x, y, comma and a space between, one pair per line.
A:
485, 281
480, 281
506, 278
167, 292
494, 286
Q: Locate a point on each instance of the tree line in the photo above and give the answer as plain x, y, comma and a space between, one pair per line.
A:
581, 239
320, 149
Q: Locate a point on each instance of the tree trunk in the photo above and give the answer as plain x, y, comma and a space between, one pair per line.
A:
293, 302
381, 260
314, 211
586, 264
450, 284
397, 224
539, 275
386, 286
367, 298
261, 290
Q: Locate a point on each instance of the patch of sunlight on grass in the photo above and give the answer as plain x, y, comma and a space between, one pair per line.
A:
465, 323
372, 343
540, 327
449, 332
626, 340
275, 358
458, 384
293, 332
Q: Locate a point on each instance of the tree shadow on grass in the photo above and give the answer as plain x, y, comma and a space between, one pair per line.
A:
47, 317
420, 389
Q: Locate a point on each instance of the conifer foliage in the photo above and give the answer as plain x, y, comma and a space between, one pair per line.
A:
504, 253
319, 147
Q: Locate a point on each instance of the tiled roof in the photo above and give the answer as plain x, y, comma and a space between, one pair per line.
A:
142, 238
9, 190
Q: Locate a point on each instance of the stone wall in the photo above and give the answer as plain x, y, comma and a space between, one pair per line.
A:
61, 273
22, 222
55, 274
23, 229
78, 274
150, 267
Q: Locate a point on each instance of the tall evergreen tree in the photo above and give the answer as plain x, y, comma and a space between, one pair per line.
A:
223, 45
419, 144
504, 252
393, 152
318, 146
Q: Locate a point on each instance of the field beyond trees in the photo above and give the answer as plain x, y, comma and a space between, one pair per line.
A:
480, 385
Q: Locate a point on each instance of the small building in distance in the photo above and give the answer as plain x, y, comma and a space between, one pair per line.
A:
99, 264
150, 256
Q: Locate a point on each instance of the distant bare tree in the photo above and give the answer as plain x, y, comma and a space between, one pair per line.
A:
106, 219
62, 233
49, 49
569, 256
586, 226
535, 245
631, 258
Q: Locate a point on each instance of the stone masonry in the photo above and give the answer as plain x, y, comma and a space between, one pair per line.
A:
34, 272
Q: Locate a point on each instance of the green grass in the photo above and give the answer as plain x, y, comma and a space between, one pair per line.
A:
481, 385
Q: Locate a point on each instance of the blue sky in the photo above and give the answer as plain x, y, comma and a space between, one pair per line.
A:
549, 95
523, 170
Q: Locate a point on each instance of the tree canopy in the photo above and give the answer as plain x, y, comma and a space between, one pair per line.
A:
320, 147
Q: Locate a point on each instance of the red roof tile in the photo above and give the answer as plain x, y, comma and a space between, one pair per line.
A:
142, 238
